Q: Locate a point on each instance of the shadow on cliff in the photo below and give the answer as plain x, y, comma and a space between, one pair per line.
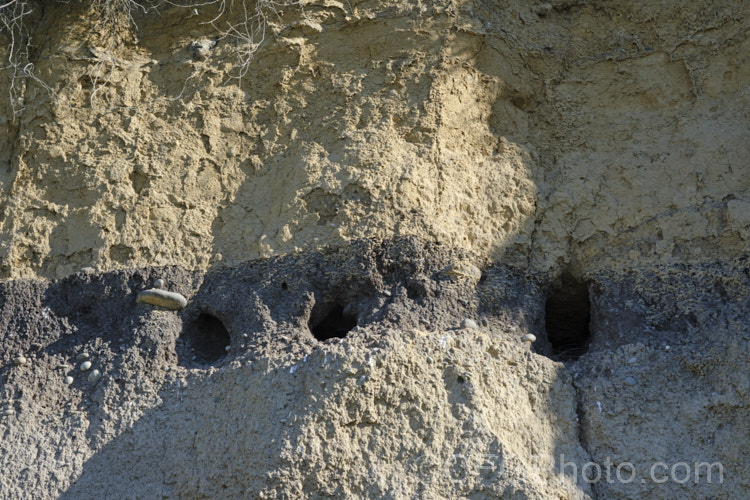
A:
190, 423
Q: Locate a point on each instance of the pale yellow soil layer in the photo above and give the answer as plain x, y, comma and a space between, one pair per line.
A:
592, 134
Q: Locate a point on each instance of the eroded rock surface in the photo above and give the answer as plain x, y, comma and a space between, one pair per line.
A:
568, 175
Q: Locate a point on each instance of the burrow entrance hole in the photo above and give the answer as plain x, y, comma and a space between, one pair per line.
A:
204, 341
567, 315
329, 321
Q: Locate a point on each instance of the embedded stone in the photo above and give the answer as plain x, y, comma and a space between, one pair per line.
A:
94, 376
85, 366
202, 48
162, 298
463, 270
529, 337
468, 323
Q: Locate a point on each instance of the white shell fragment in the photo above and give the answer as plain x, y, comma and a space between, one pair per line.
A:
444, 341
162, 298
94, 376
529, 337
85, 366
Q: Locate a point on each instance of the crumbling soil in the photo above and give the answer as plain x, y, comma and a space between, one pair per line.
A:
381, 172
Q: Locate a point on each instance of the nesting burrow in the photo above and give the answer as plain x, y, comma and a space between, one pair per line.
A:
204, 342
567, 315
332, 320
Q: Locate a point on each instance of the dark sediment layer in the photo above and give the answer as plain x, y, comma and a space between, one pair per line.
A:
663, 353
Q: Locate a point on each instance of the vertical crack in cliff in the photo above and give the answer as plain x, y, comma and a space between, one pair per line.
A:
580, 412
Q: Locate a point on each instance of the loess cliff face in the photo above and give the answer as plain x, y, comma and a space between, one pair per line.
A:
582, 165
598, 134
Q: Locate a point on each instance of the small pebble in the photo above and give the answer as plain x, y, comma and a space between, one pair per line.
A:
82, 356
8, 412
85, 366
544, 9
19, 360
228, 348
351, 371
463, 270
632, 361
202, 48
631, 381
88, 270
159, 284
484, 322
529, 337
68, 380
468, 323
94, 376
162, 298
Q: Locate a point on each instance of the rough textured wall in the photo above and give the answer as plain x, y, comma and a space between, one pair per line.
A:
348, 123
589, 157
604, 133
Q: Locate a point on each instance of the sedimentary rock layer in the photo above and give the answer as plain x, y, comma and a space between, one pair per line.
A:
258, 388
